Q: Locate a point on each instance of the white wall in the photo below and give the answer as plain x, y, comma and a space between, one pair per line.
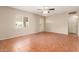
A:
8, 23
57, 23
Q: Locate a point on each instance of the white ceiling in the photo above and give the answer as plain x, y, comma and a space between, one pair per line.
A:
58, 9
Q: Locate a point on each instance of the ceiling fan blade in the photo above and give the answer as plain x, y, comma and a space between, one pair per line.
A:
51, 9
74, 12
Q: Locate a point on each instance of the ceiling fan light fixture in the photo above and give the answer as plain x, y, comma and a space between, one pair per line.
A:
45, 12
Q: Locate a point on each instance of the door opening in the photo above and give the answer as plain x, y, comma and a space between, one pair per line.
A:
73, 25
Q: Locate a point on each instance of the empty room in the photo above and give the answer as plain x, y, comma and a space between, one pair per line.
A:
39, 28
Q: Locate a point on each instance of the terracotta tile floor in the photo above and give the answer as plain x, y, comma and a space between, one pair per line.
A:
42, 42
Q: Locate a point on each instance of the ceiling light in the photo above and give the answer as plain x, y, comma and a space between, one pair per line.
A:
45, 12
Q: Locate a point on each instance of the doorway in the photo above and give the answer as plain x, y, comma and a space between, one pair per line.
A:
73, 25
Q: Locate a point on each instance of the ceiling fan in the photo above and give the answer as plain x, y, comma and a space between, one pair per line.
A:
46, 10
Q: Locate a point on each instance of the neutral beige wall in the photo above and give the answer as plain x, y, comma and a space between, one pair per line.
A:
78, 26
57, 23
8, 23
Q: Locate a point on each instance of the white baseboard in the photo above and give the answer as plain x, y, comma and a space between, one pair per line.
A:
17, 36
